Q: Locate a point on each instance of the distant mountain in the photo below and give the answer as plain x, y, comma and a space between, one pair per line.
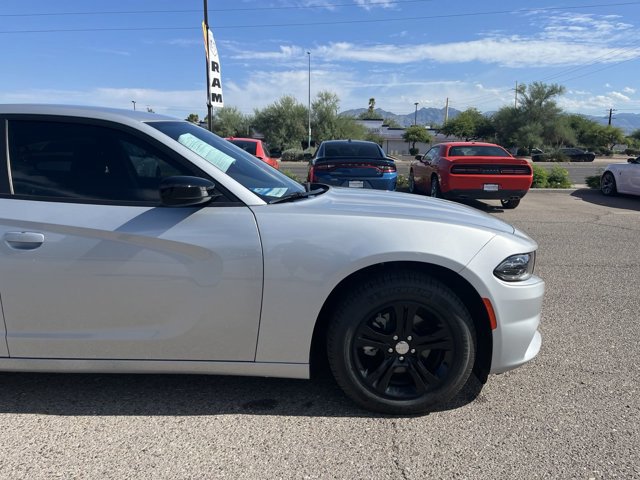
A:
628, 122
425, 116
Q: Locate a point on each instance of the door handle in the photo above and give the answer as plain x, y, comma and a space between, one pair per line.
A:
23, 240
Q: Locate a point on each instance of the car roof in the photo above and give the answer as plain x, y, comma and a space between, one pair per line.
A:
96, 112
353, 142
467, 144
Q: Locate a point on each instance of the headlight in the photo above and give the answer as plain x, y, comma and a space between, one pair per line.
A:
516, 268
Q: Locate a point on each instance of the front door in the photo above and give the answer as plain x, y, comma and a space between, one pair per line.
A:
91, 271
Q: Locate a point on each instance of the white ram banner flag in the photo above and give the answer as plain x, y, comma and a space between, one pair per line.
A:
213, 64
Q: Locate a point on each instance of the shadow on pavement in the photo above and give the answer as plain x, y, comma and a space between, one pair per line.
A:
626, 202
177, 395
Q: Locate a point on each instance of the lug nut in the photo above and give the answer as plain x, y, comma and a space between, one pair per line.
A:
409, 338
413, 350
390, 350
401, 358
395, 337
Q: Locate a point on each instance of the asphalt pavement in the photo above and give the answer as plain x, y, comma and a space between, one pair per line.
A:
574, 412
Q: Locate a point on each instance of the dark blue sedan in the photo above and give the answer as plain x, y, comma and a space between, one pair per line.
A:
353, 164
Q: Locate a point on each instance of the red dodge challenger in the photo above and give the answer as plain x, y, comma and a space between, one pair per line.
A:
471, 170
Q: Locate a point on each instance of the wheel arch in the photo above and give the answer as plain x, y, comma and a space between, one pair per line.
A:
461, 287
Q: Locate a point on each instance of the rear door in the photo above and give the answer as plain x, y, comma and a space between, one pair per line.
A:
93, 268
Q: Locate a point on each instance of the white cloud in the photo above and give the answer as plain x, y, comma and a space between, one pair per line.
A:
587, 28
629, 90
509, 52
619, 96
370, 4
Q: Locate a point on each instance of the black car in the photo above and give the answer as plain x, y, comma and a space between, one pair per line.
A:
573, 154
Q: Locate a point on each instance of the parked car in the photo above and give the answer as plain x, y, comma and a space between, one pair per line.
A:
471, 170
354, 164
257, 148
212, 262
573, 154
621, 178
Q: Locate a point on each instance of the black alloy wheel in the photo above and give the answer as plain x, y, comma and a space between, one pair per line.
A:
608, 184
435, 188
401, 343
412, 183
510, 203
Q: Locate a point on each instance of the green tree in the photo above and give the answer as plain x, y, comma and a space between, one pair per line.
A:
612, 136
536, 121
326, 124
370, 114
230, 122
470, 125
193, 118
391, 123
283, 123
508, 122
415, 134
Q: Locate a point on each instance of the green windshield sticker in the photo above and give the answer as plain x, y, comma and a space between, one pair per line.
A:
270, 192
206, 151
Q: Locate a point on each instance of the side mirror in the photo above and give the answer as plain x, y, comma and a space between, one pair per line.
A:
275, 153
184, 191
420, 157
307, 156
633, 160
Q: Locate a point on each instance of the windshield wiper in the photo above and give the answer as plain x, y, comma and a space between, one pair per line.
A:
297, 195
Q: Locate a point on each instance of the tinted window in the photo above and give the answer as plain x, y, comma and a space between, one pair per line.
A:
478, 151
348, 149
249, 147
75, 161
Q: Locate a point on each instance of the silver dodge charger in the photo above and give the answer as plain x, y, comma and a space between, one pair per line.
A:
134, 242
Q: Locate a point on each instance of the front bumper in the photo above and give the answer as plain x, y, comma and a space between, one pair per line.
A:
517, 305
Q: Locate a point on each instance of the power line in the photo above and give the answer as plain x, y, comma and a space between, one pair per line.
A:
332, 22
236, 9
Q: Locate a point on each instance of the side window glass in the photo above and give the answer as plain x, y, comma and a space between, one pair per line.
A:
84, 162
429, 156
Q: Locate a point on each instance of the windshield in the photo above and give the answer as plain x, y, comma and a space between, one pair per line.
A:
255, 175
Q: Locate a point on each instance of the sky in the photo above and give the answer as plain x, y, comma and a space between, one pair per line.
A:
151, 52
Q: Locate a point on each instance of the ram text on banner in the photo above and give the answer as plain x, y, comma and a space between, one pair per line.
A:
213, 64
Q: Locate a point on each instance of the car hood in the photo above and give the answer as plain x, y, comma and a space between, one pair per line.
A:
364, 202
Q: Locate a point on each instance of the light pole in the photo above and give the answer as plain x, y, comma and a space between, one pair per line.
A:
134, 105
309, 102
415, 115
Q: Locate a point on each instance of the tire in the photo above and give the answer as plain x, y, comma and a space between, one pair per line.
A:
608, 184
510, 203
412, 183
401, 343
435, 188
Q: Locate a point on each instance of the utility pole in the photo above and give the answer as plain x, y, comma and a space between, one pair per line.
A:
134, 105
415, 116
309, 102
446, 112
515, 103
206, 28
611, 110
